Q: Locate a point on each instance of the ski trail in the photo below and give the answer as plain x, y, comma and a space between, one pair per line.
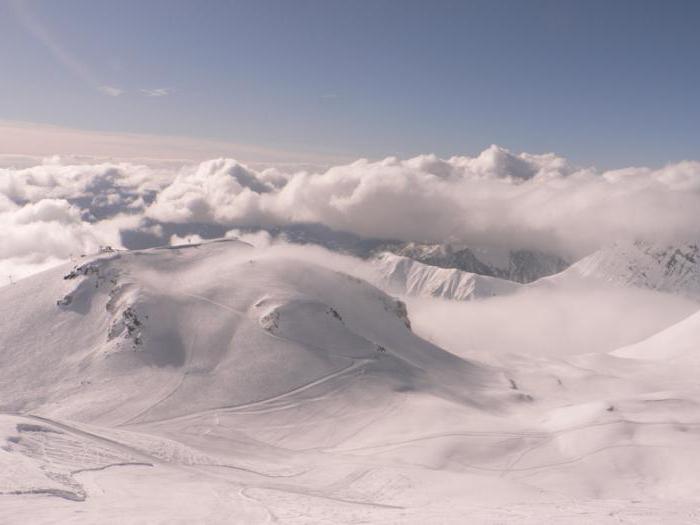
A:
111, 442
210, 301
147, 459
234, 408
172, 392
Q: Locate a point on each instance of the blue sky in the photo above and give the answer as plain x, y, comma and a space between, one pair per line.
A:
607, 83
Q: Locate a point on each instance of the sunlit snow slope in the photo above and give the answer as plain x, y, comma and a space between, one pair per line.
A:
168, 332
403, 275
673, 268
220, 383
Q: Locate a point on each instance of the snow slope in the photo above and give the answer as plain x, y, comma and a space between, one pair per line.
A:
212, 325
403, 275
678, 343
521, 266
219, 383
667, 268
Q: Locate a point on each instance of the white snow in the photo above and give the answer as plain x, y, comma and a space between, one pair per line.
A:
222, 383
403, 275
673, 268
680, 342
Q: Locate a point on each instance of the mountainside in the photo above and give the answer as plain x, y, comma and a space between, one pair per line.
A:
521, 266
164, 332
680, 342
406, 276
221, 383
667, 268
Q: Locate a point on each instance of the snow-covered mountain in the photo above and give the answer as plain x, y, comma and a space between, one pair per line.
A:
664, 267
403, 275
220, 383
521, 266
166, 332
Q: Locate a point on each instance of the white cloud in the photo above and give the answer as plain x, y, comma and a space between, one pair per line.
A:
220, 191
496, 197
259, 239
51, 212
47, 232
177, 240
538, 201
156, 92
554, 324
111, 91
104, 184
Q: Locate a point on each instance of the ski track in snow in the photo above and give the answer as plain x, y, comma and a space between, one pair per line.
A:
353, 437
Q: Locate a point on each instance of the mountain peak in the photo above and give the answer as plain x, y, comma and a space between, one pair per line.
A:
666, 267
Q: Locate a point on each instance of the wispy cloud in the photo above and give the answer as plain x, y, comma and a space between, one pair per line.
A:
63, 56
111, 91
156, 92
26, 138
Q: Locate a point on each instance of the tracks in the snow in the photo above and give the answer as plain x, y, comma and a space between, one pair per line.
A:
355, 365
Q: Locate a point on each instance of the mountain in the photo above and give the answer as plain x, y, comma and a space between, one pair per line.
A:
217, 363
678, 343
521, 266
404, 275
673, 268
166, 332
220, 383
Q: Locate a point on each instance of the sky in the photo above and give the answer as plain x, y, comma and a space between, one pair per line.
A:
604, 83
557, 126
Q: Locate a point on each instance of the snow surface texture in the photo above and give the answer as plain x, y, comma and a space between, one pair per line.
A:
222, 383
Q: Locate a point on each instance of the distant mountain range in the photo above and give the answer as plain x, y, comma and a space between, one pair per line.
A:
521, 266
438, 270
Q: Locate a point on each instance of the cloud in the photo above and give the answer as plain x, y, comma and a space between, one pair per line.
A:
259, 239
96, 186
71, 62
157, 92
37, 29
496, 198
220, 191
52, 212
176, 240
554, 324
111, 91
22, 141
41, 234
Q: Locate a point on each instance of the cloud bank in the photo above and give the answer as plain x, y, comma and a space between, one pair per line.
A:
495, 198
537, 201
